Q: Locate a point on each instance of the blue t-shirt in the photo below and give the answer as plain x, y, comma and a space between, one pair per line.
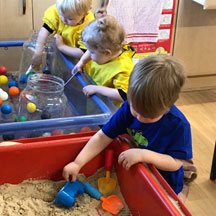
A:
170, 135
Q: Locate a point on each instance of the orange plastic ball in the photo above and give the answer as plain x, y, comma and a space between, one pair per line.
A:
13, 91
0, 100
85, 129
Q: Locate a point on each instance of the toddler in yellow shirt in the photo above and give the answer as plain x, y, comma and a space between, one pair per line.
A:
111, 57
66, 20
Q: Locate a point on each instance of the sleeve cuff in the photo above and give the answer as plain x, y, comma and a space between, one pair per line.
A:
122, 94
48, 28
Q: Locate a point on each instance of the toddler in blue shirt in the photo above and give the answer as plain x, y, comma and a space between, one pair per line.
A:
158, 128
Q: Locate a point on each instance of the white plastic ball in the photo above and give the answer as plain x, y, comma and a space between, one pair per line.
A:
4, 95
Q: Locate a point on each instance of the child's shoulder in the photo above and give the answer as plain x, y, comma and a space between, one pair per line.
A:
51, 11
125, 59
89, 17
175, 115
52, 8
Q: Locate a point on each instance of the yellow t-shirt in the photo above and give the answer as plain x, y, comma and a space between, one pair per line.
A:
114, 74
71, 34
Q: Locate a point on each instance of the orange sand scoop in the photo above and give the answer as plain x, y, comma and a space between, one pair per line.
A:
110, 204
107, 184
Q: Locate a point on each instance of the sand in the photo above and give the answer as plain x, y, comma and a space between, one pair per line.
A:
36, 198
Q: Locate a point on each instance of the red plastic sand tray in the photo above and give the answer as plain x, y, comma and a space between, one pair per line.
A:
44, 158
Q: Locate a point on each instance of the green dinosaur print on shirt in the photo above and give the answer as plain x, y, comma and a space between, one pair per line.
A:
138, 138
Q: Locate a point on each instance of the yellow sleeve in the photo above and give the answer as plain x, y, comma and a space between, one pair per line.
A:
51, 18
121, 80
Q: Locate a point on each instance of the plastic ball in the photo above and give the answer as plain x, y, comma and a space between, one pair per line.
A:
31, 107
16, 119
4, 95
3, 70
13, 91
23, 118
34, 134
56, 132
44, 78
8, 137
46, 70
1, 100
12, 83
85, 129
31, 73
6, 109
45, 115
3, 79
46, 134
28, 97
23, 79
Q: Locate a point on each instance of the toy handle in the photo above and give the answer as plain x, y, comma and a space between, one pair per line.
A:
109, 155
92, 191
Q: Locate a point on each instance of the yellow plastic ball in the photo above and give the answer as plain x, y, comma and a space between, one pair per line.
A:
31, 107
3, 79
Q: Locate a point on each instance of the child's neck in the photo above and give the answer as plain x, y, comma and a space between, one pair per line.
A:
115, 55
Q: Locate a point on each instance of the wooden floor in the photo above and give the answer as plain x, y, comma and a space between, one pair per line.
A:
200, 109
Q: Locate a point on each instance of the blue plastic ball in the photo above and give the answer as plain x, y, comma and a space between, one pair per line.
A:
23, 79
12, 83
6, 109
46, 70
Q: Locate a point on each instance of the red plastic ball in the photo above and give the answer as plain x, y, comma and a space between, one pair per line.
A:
3, 70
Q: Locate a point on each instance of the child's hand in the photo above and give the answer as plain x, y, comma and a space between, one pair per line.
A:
59, 40
89, 90
130, 157
72, 169
37, 61
78, 67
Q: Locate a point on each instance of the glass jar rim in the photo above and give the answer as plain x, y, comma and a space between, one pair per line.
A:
46, 79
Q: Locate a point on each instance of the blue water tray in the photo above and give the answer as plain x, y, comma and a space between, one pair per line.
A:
89, 112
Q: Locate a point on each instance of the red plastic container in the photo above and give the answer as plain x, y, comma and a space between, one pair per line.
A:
44, 158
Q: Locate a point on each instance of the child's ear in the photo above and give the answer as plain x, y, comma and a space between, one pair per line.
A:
108, 52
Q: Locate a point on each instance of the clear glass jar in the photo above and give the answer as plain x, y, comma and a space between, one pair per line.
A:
28, 51
43, 98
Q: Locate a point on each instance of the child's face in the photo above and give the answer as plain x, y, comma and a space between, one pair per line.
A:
142, 119
71, 20
99, 57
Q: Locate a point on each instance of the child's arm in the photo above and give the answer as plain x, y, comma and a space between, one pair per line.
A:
41, 41
94, 146
161, 161
111, 93
70, 51
81, 63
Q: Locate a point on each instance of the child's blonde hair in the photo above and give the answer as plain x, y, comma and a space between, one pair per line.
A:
155, 84
104, 33
74, 7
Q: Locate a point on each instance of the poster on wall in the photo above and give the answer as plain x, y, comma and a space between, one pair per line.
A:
163, 43
148, 24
